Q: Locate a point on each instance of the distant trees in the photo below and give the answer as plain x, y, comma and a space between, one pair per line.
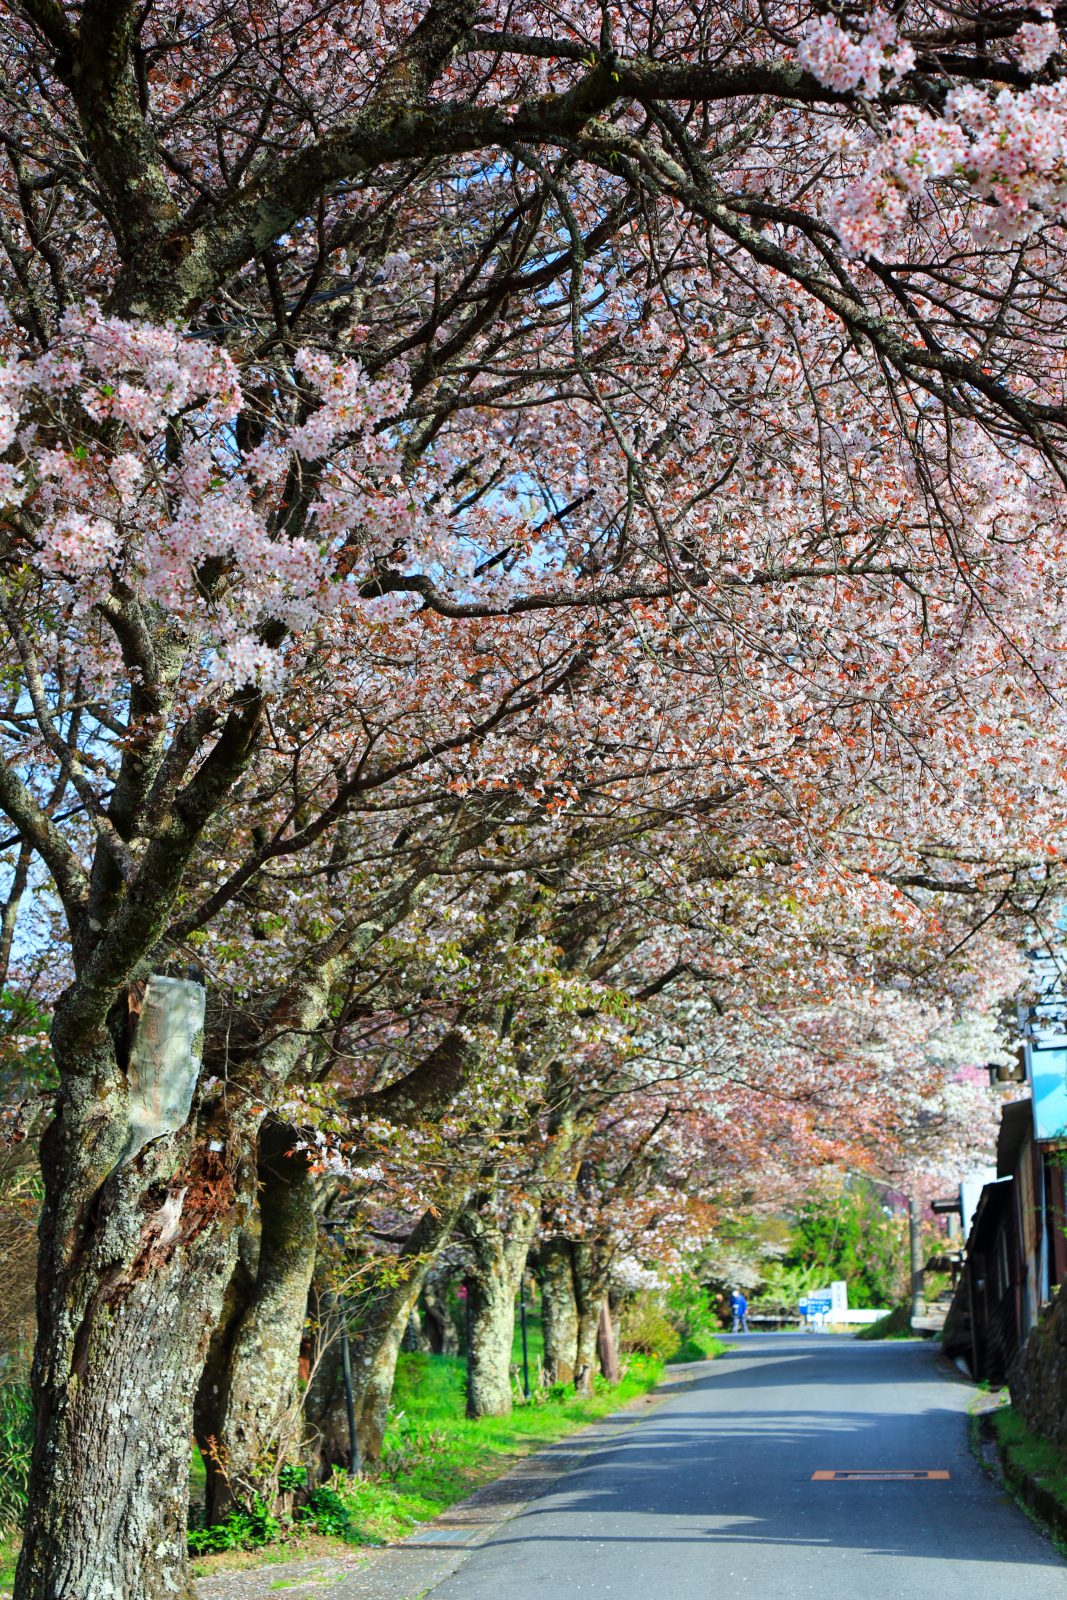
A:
850, 1234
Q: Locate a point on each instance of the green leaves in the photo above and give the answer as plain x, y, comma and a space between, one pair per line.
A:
241, 1529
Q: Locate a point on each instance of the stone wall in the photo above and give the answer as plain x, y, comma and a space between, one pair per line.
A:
1038, 1379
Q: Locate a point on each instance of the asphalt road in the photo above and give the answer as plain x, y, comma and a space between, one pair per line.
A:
712, 1495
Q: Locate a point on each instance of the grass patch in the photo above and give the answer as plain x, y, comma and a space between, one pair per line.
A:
896, 1324
1026, 1453
197, 1474
9, 1555
700, 1347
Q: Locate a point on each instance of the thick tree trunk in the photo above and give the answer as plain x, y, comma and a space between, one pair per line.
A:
138, 1238
499, 1259
589, 1292
215, 1375
374, 1371
378, 1321
255, 1424
559, 1311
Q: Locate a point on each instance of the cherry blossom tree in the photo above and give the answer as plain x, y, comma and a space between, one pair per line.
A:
462, 437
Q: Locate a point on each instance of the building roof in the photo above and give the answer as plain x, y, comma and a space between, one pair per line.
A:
991, 1209
1016, 1124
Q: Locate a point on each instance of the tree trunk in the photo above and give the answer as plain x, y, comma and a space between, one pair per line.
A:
438, 1323
589, 1288
605, 1343
375, 1352
499, 1259
559, 1311
915, 1256
139, 1229
255, 1424
215, 1375
379, 1319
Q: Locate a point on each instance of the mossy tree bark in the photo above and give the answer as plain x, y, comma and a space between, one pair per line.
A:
380, 1328
498, 1257
252, 1425
591, 1282
559, 1310
215, 1374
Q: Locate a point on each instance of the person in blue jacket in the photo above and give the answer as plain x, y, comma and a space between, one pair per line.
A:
739, 1307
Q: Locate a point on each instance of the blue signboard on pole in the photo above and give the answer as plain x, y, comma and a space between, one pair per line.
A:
1044, 1028
1047, 1071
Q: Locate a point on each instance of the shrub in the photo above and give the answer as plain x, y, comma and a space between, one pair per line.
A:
699, 1347
896, 1324
687, 1304
292, 1477
242, 1528
327, 1511
646, 1327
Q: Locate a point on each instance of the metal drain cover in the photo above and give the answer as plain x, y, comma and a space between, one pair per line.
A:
883, 1475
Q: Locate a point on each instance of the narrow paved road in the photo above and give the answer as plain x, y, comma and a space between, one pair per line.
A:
713, 1496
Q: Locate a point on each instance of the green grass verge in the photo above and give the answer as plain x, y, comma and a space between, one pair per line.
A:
1035, 1469
896, 1324
9, 1554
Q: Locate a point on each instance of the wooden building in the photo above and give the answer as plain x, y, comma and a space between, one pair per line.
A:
1016, 1250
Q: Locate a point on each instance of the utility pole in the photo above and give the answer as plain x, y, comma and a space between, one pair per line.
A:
915, 1246
525, 1345
468, 1329
355, 1465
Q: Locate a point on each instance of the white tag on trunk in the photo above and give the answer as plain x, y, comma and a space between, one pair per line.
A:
164, 1060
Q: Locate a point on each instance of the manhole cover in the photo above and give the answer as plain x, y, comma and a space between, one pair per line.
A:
882, 1475
440, 1536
